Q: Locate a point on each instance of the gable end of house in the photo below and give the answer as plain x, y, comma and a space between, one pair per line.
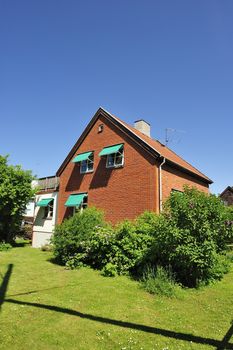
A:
143, 141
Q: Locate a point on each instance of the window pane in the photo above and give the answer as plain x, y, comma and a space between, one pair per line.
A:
46, 211
83, 166
50, 214
119, 159
111, 160
90, 166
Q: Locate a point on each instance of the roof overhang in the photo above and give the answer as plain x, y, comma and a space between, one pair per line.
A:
189, 172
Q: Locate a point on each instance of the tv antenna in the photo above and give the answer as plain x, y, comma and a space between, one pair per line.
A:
169, 135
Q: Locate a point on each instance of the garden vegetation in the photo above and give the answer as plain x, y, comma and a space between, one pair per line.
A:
15, 193
185, 245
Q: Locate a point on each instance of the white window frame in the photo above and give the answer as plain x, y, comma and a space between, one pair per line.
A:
88, 164
48, 211
115, 155
81, 207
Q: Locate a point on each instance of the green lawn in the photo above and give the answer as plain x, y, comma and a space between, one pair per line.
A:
44, 306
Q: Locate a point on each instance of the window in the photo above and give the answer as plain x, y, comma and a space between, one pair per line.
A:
48, 211
82, 206
87, 165
176, 191
115, 160
100, 128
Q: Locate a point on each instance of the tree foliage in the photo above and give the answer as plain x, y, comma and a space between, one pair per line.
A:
15, 193
74, 234
191, 237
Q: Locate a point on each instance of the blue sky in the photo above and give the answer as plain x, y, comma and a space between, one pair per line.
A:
168, 62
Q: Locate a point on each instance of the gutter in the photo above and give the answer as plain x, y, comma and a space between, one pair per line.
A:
161, 186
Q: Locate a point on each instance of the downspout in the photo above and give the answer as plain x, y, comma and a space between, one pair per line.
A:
161, 186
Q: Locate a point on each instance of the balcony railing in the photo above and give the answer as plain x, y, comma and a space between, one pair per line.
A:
48, 183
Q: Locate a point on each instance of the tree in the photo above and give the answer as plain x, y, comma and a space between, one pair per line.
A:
192, 235
15, 193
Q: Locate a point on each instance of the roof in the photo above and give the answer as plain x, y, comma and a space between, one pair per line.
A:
153, 146
228, 188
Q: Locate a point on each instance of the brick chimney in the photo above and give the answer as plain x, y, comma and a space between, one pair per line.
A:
142, 126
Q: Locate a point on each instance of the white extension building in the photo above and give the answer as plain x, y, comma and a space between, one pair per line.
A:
45, 214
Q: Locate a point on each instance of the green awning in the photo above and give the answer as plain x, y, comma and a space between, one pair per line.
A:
75, 200
81, 157
109, 150
44, 202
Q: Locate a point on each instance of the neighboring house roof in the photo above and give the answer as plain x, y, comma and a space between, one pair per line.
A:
154, 147
229, 188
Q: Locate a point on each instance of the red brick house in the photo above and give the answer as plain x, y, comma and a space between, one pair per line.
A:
122, 170
227, 195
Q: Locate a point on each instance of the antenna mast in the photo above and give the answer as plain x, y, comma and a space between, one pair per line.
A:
170, 130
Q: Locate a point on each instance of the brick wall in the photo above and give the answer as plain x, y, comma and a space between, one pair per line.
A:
176, 179
122, 193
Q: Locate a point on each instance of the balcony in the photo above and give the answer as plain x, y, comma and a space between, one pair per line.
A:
47, 183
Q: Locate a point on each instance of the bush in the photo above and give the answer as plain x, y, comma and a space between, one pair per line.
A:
124, 246
5, 246
73, 235
190, 236
220, 267
202, 215
101, 246
75, 262
159, 281
87, 239
109, 270
130, 245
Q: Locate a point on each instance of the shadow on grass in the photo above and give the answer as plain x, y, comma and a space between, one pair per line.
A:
224, 344
55, 261
39, 290
218, 344
4, 284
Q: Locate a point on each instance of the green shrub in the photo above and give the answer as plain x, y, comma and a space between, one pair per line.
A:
109, 270
73, 235
146, 223
87, 239
76, 261
159, 281
123, 246
229, 256
129, 247
190, 236
5, 246
220, 267
202, 215
101, 246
